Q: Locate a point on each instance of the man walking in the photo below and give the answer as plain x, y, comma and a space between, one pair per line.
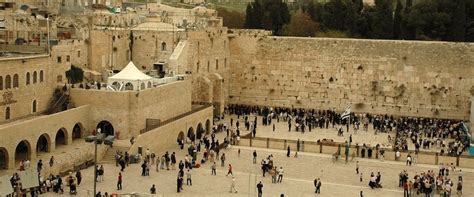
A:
259, 189
230, 171
280, 175
119, 181
232, 186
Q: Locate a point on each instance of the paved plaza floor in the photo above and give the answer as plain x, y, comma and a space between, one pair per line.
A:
338, 179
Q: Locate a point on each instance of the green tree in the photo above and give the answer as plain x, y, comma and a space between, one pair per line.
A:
301, 25
397, 20
383, 21
75, 74
232, 19
249, 18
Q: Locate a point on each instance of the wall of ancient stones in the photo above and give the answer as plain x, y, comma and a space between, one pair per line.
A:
430, 79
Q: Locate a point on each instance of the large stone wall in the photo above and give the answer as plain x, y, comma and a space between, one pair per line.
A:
429, 79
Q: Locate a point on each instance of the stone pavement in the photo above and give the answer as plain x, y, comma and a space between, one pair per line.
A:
338, 179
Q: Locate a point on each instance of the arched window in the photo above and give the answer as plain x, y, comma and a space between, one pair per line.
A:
28, 76
34, 106
41, 76
15, 80
129, 86
1, 83
163, 46
116, 85
7, 113
149, 84
8, 82
142, 86
35, 77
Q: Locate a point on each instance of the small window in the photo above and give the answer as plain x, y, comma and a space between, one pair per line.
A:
149, 84
59, 78
59, 59
208, 66
225, 62
78, 53
217, 64
163, 46
34, 106
7, 113
68, 58
41, 76
8, 82
28, 76
35, 77
15, 81
129, 86
197, 67
1, 83
142, 86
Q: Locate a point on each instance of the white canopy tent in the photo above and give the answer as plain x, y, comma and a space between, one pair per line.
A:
130, 79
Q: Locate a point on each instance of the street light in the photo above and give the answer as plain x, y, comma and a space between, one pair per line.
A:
95, 138
95, 160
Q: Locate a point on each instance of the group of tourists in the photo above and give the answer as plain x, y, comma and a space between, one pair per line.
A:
429, 183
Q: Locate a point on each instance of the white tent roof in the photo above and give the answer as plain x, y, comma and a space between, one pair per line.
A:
131, 72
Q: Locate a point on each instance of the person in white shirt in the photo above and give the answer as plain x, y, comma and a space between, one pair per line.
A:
280, 175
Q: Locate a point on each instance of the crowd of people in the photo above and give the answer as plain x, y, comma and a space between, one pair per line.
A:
430, 183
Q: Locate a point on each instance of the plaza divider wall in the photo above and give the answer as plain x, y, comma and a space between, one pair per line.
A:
328, 147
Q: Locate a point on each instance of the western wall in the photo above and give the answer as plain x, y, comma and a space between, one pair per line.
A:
408, 78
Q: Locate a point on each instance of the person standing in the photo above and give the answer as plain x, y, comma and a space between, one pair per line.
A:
188, 178
213, 169
318, 186
153, 189
315, 185
39, 166
259, 189
222, 159
179, 183
78, 177
357, 167
51, 161
232, 186
173, 161
119, 181
254, 156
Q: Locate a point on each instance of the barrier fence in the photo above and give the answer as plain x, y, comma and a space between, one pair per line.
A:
328, 147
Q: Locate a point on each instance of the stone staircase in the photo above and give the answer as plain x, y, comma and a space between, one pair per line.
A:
119, 145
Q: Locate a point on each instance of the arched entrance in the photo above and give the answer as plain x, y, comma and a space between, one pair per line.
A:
191, 134
180, 137
77, 131
106, 127
43, 144
61, 137
3, 159
208, 126
23, 151
199, 131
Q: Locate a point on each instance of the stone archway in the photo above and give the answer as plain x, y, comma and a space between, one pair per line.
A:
61, 137
191, 135
3, 159
43, 144
23, 151
199, 131
77, 131
180, 137
208, 126
106, 127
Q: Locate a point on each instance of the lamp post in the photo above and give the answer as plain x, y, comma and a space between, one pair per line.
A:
95, 160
